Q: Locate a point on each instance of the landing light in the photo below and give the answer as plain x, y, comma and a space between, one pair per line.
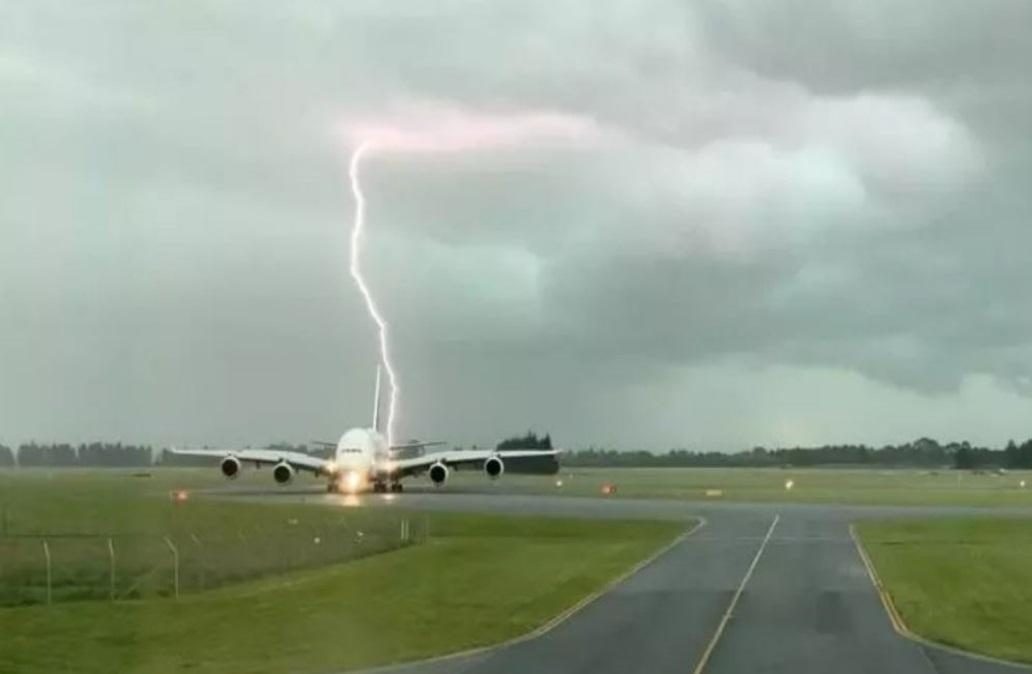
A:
789, 484
331, 468
352, 482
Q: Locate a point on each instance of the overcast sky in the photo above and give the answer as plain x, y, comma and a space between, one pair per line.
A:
724, 224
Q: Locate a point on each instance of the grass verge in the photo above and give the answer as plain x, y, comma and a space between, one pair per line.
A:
110, 534
962, 582
478, 580
859, 486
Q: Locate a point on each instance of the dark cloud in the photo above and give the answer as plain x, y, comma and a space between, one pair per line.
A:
790, 219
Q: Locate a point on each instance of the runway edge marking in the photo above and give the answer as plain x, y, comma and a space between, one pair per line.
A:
555, 621
900, 627
704, 660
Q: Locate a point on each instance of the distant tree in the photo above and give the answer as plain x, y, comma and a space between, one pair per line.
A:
52, 456
963, 458
1011, 454
114, 455
6, 456
528, 441
94, 454
1023, 455
924, 452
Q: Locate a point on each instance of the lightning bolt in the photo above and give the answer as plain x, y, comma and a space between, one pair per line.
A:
356, 274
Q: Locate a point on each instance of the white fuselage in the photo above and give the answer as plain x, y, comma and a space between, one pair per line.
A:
362, 456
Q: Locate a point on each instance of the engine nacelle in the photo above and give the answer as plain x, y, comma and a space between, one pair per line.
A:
230, 467
283, 473
438, 473
494, 467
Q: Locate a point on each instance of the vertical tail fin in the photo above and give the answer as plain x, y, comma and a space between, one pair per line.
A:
376, 402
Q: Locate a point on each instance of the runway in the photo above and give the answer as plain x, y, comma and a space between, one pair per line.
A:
760, 588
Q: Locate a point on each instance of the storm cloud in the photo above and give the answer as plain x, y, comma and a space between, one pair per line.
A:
706, 224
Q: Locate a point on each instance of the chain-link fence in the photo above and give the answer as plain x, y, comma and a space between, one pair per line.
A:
38, 568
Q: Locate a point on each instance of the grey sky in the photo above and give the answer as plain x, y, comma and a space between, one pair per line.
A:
796, 224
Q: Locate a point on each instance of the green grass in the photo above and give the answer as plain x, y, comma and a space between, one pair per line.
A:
907, 487
478, 581
962, 582
78, 512
475, 581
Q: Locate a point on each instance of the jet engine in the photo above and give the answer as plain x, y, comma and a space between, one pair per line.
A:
283, 472
230, 467
438, 473
494, 467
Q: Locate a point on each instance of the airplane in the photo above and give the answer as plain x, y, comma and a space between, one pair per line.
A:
361, 459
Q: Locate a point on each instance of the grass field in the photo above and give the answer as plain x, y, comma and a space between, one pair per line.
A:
88, 517
812, 485
962, 582
475, 581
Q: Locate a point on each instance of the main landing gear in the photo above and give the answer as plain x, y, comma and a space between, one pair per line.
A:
336, 487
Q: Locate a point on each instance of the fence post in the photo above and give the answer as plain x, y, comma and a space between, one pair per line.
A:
111, 558
175, 565
46, 556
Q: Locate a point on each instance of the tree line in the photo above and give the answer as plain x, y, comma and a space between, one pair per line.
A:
94, 454
925, 452
529, 440
104, 454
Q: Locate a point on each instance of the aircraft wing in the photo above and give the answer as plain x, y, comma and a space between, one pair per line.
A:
416, 445
459, 458
297, 460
